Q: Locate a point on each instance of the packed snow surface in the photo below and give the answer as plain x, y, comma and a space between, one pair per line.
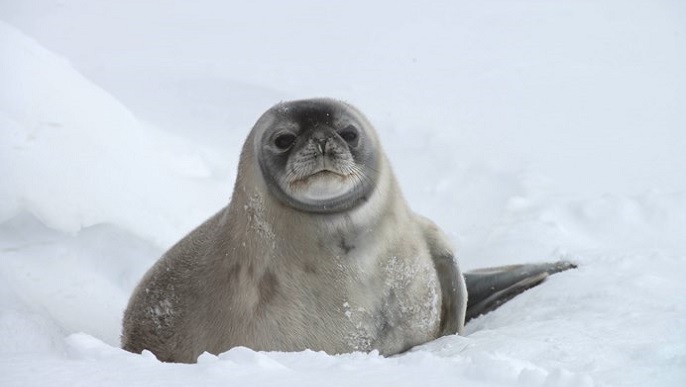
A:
529, 131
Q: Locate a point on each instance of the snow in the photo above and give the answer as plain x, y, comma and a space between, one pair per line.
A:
529, 131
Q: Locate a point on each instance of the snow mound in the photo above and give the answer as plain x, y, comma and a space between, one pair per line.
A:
73, 156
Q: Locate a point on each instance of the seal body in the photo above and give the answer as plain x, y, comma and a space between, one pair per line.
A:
317, 250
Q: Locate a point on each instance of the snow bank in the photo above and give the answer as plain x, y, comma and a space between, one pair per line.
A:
73, 156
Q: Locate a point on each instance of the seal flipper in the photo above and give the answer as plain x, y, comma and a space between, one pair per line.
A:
450, 278
452, 293
489, 288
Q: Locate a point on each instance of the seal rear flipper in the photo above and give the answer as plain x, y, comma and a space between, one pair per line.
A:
489, 288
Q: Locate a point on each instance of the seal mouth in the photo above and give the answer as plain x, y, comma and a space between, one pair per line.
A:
322, 184
323, 174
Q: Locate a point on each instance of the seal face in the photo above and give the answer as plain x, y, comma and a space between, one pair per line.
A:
316, 156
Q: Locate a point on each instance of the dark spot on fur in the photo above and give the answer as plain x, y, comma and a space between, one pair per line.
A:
310, 268
345, 246
384, 319
321, 244
234, 272
268, 287
384, 327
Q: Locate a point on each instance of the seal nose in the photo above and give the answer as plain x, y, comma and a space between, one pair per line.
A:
321, 145
321, 138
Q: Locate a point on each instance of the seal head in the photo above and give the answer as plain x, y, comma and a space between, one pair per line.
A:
316, 155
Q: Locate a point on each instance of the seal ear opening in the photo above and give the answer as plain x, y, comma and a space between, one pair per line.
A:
489, 288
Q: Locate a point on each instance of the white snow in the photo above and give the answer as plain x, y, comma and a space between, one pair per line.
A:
529, 131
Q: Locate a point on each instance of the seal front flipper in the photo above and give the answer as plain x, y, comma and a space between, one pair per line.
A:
489, 288
453, 287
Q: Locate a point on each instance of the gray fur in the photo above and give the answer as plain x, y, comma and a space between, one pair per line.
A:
290, 264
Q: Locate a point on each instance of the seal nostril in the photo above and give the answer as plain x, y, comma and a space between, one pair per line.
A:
321, 144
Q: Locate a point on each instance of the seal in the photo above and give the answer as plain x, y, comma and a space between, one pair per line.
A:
317, 249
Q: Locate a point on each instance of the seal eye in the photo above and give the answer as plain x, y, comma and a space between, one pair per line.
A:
349, 135
284, 141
